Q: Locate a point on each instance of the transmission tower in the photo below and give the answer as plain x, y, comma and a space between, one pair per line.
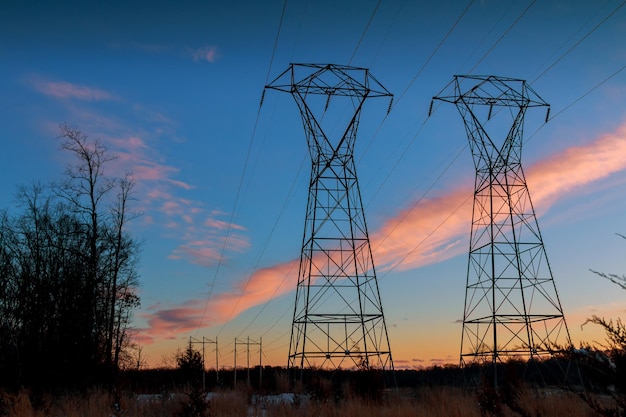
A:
512, 309
338, 317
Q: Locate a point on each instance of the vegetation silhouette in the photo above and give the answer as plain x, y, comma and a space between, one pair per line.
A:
68, 277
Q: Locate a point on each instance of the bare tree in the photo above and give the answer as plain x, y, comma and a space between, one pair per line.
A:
68, 273
84, 187
122, 279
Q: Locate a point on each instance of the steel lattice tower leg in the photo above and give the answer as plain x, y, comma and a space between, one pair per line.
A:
512, 309
338, 317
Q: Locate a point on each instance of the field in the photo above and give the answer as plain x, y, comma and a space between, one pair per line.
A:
426, 402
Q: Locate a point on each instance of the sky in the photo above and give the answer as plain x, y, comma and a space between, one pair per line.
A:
173, 90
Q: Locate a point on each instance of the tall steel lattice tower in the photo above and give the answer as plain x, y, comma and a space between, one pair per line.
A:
512, 309
338, 319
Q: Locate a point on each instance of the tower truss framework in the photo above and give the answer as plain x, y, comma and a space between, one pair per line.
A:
512, 308
338, 319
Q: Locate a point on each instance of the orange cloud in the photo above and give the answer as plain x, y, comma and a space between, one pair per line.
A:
431, 230
262, 285
427, 232
576, 167
167, 323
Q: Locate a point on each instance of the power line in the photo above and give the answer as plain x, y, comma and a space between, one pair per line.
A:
262, 252
555, 115
280, 25
419, 71
432, 54
380, 46
581, 40
369, 22
399, 262
502, 36
571, 37
241, 179
436, 180
496, 23
591, 90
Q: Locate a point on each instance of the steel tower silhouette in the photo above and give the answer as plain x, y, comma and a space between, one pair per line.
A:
512, 309
338, 319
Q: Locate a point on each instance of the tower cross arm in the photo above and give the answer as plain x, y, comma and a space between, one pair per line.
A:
491, 90
329, 79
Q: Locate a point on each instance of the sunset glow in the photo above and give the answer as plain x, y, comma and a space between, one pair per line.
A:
175, 94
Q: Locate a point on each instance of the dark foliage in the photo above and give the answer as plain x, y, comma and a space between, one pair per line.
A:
67, 276
190, 364
197, 404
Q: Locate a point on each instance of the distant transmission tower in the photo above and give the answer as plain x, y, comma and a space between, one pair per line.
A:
512, 309
338, 318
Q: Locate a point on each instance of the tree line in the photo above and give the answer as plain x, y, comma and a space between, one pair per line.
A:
68, 273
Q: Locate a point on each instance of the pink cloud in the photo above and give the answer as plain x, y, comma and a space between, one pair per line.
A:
208, 53
167, 323
199, 255
221, 225
432, 230
180, 184
207, 250
261, 286
171, 208
132, 144
200, 243
133, 156
158, 191
576, 167
62, 89
427, 232
150, 171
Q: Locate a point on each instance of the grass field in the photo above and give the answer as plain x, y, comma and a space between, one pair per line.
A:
426, 402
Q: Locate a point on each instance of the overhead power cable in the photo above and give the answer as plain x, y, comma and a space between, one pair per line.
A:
555, 115
369, 22
502, 36
417, 74
446, 36
482, 41
432, 54
258, 262
591, 90
241, 180
619, 6
383, 41
287, 199
591, 18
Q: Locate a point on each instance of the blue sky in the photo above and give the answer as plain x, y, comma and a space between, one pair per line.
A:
174, 90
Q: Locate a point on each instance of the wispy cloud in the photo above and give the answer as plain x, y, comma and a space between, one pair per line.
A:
197, 232
167, 323
432, 230
202, 234
264, 284
578, 166
205, 237
207, 53
423, 234
66, 90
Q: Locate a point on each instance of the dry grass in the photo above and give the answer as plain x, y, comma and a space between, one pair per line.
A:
423, 402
